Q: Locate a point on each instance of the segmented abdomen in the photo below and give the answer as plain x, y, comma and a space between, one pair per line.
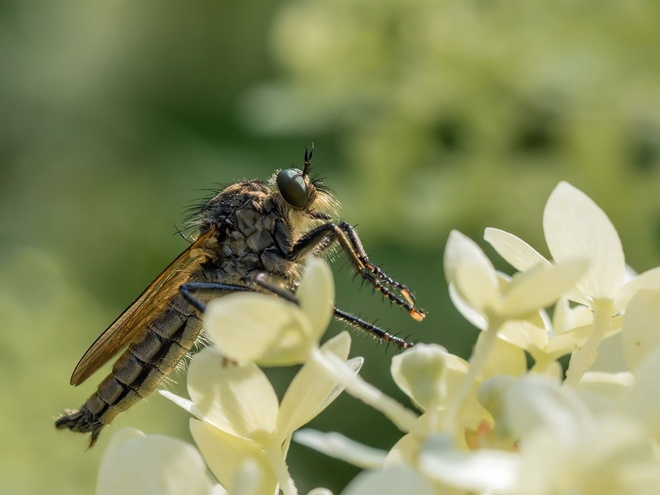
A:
139, 370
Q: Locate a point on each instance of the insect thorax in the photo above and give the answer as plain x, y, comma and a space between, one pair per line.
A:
254, 233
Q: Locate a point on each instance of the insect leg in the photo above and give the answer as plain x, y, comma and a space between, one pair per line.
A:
320, 238
189, 288
376, 331
261, 279
359, 248
407, 294
264, 282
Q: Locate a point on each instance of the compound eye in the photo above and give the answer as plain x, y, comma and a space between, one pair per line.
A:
292, 187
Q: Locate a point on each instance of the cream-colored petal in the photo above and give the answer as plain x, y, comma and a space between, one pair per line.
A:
566, 342
602, 390
393, 480
316, 294
641, 478
121, 436
226, 455
313, 388
565, 317
402, 418
151, 465
644, 400
575, 227
540, 287
594, 460
218, 489
341, 447
480, 471
472, 315
247, 479
491, 393
339, 345
319, 491
514, 250
640, 334
183, 403
524, 334
470, 272
522, 256
503, 359
406, 449
260, 328
626, 441
238, 399
422, 373
537, 402
650, 279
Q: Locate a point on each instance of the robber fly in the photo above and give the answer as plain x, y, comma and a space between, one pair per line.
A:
253, 236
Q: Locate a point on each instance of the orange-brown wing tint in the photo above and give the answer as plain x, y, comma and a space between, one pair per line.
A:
134, 319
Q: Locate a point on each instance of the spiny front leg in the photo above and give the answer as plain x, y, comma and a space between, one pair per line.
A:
375, 269
320, 239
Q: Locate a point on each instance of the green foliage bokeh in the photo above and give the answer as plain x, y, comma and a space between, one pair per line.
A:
426, 116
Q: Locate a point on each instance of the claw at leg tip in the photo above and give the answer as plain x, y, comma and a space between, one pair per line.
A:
417, 314
408, 296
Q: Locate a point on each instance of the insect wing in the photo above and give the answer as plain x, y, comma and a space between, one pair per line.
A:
135, 318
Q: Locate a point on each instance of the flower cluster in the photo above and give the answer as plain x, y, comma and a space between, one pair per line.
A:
489, 425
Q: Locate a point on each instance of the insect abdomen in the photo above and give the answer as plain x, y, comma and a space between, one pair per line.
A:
139, 370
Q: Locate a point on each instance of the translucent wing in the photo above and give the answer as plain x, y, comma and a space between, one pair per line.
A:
132, 322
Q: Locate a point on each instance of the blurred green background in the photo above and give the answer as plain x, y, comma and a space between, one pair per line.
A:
426, 116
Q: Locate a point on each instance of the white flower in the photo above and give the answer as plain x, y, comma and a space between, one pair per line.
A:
478, 290
575, 226
428, 374
239, 416
431, 377
474, 279
547, 340
565, 448
134, 463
